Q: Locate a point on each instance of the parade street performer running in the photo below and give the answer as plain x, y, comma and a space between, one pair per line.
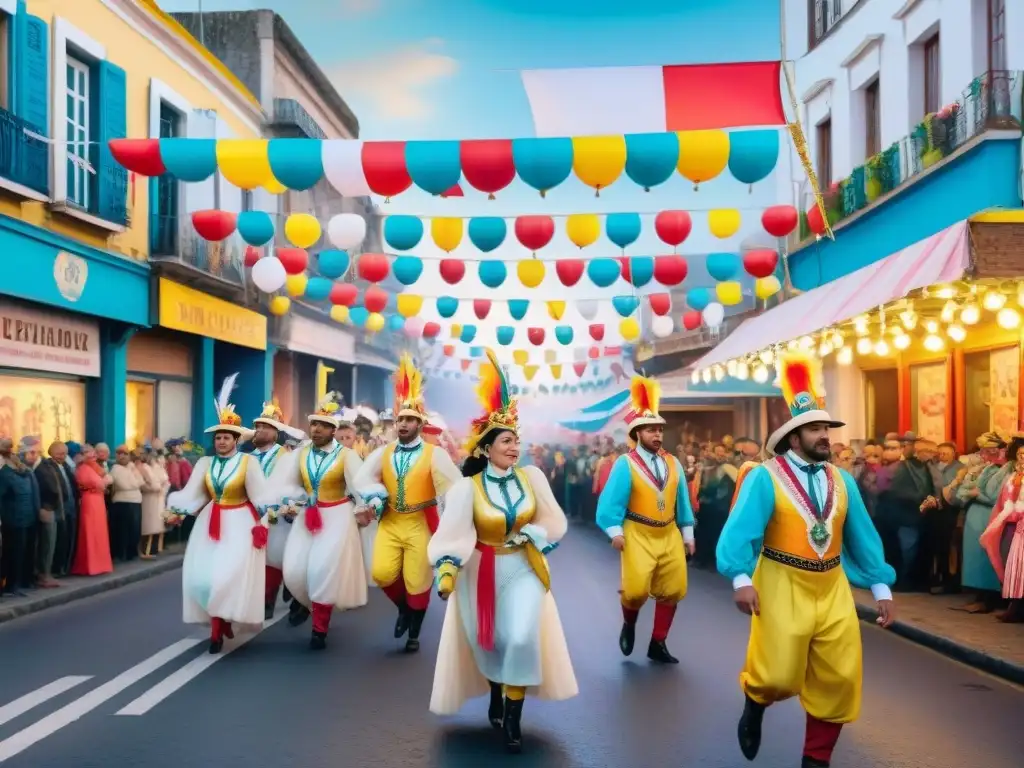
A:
323, 559
797, 519
642, 509
403, 481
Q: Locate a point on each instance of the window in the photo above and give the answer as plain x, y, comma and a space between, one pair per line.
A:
996, 35
164, 226
872, 120
823, 147
5, 36
78, 136
932, 76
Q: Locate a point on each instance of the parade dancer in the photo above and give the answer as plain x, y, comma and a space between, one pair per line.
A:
501, 629
224, 569
642, 509
403, 482
323, 558
798, 536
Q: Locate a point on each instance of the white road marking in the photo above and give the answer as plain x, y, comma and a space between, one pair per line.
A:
69, 713
18, 707
180, 677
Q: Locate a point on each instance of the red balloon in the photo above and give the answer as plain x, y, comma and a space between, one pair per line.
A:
670, 270
597, 331
487, 164
431, 330
449, 350
214, 225
252, 255
779, 220
141, 156
570, 271
661, 303
343, 294
453, 191
452, 270
593, 353
375, 300
760, 263
481, 308
673, 227
465, 364
580, 369
294, 260
536, 336
384, 167
534, 232
373, 267
692, 320
815, 222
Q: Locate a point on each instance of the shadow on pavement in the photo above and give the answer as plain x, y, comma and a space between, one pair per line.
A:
468, 747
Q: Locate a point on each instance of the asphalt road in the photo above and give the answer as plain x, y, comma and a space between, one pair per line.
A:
117, 680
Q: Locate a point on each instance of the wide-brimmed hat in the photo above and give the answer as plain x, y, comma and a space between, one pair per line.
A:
227, 419
327, 413
804, 392
272, 416
645, 398
408, 392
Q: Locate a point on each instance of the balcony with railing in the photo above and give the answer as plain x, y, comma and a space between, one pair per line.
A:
24, 159
178, 251
824, 15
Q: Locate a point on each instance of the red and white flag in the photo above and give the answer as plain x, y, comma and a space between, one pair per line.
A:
601, 101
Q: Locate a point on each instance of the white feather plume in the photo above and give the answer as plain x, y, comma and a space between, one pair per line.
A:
224, 396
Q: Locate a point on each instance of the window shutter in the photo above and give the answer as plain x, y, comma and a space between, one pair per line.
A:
30, 76
112, 178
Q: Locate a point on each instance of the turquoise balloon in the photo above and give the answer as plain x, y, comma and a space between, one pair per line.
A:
517, 308
189, 159
476, 351
396, 323
641, 270
403, 233
407, 269
564, 334
514, 389
487, 232
506, 333
625, 305
468, 334
623, 229
358, 315
447, 306
698, 298
492, 273
255, 227
651, 158
333, 264
318, 288
753, 154
723, 266
543, 163
433, 166
603, 272
296, 163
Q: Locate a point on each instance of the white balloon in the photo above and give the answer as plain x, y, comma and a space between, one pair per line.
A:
413, 327
587, 308
346, 230
268, 274
713, 314
662, 326
343, 166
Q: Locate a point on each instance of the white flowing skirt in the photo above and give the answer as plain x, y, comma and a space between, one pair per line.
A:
326, 567
223, 579
276, 542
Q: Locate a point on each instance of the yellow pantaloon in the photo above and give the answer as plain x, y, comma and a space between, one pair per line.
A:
805, 643
400, 551
653, 564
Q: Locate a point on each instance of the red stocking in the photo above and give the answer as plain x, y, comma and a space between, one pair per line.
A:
396, 592
629, 615
820, 738
664, 613
322, 617
274, 578
419, 602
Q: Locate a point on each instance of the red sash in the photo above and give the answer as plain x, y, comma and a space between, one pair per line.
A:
314, 520
215, 516
486, 597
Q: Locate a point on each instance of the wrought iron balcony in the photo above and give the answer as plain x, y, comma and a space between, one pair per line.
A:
175, 246
292, 118
24, 159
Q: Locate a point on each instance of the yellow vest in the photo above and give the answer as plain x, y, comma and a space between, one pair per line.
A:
789, 530
644, 495
332, 483
494, 527
232, 486
416, 490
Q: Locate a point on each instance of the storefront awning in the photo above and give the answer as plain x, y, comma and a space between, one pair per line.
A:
941, 258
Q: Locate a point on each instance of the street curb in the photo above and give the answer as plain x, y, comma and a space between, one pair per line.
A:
89, 589
1007, 670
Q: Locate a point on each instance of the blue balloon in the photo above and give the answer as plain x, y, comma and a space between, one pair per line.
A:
543, 163
641, 270
318, 288
358, 315
514, 389
753, 154
492, 273
651, 158
506, 333
403, 233
723, 266
396, 323
564, 334
487, 232
468, 334
333, 264
476, 351
255, 227
296, 163
189, 159
434, 166
625, 305
447, 306
604, 272
698, 298
623, 229
517, 308
407, 269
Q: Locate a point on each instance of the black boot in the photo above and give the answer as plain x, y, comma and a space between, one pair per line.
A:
286, 595
297, 613
658, 651
510, 725
415, 623
268, 611
496, 709
318, 641
216, 645
626, 638
749, 731
402, 622
813, 762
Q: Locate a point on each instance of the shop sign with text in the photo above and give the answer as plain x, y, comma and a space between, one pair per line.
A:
44, 340
188, 310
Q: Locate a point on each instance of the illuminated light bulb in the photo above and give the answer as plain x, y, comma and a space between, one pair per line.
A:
806, 342
1008, 318
719, 373
1020, 295
970, 314
957, 333
948, 312
730, 367
909, 319
706, 375
742, 371
791, 345
767, 357
933, 343
825, 349
902, 341
932, 327
946, 292
695, 377
837, 340
881, 348
863, 346
761, 374
860, 324
845, 356
994, 300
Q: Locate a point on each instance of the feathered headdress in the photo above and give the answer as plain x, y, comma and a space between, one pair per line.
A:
271, 415
408, 390
227, 419
803, 389
644, 401
500, 409
328, 412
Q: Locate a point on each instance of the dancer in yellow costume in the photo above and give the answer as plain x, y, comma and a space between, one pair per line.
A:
403, 481
798, 536
645, 510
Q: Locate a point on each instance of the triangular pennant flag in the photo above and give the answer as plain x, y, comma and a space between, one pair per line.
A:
520, 356
465, 364
556, 309
580, 369
556, 371
529, 371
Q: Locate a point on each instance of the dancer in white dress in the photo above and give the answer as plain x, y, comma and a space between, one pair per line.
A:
501, 628
223, 573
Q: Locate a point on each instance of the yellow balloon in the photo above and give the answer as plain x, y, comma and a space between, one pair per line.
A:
531, 272
456, 330
275, 187
556, 372
520, 356
280, 305
598, 161
446, 232
766, 287
583, 229
408, 305
729, 293
630, 329
244, 162
556, 309
702, 154
375, 322
724, 222
339, 314
295, 285
302, 230
529, 371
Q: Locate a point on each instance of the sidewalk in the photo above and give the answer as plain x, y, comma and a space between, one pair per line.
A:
78, 587
981, 641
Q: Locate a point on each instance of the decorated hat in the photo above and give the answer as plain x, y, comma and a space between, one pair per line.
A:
346, 417
227, 419
327, 413
644, 399
272, 416
408, 391
804, 392
501, 411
